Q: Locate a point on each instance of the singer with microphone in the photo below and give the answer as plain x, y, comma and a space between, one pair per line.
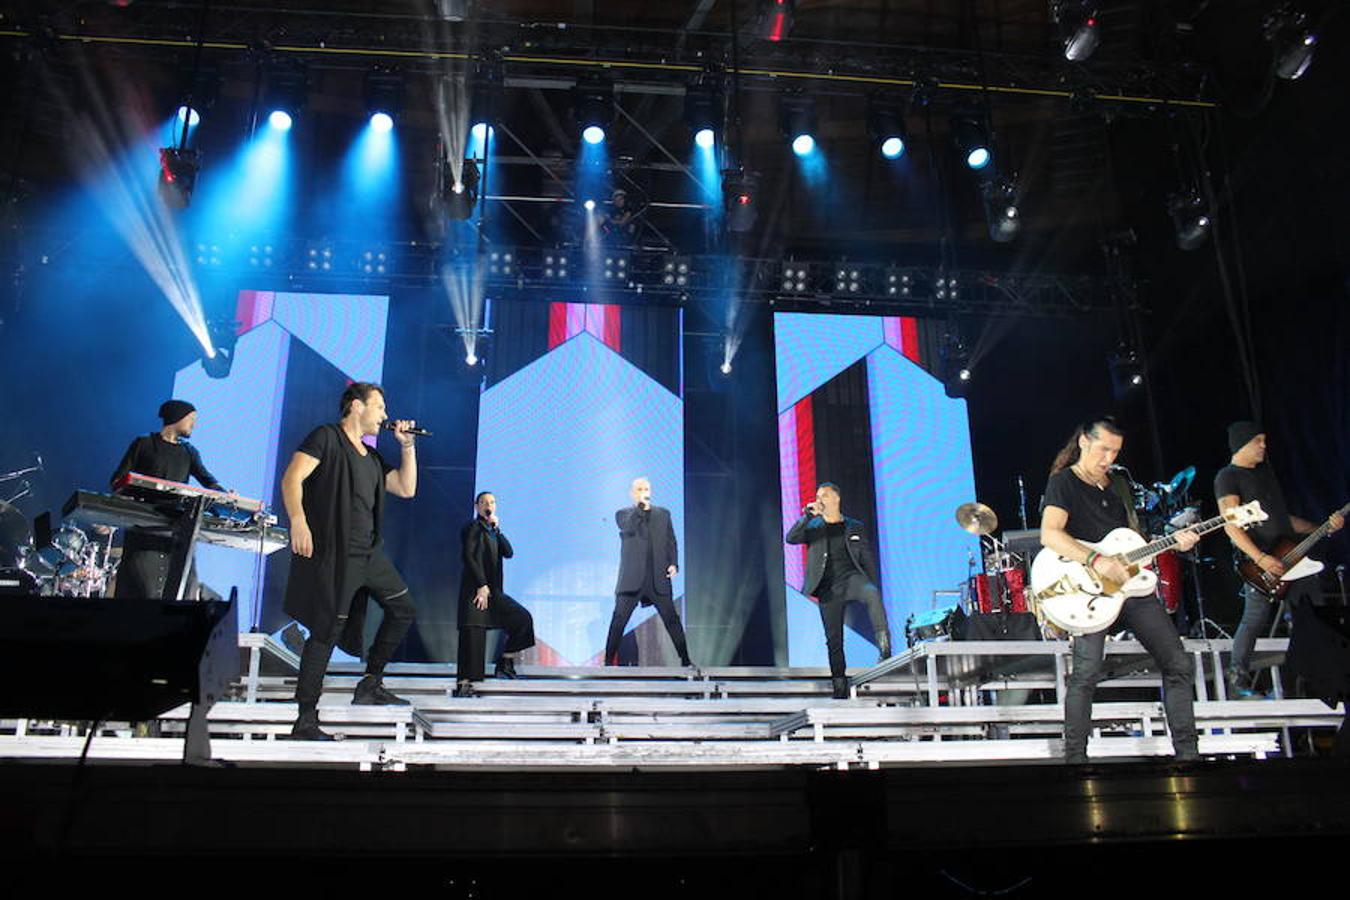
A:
648, 561
334, 493
482, 602
840, 570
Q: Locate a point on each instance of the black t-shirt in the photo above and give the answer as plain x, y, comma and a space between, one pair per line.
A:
152, 455
367, 473
838, 564
1093, 511
1258, 483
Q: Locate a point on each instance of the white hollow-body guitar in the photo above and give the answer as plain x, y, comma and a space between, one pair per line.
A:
1080, 601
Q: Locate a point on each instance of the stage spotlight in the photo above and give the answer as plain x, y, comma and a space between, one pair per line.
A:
957, 372
1078, 27
898, 283
178, 167
675, 273
797, 119
471, 358
459, 196
555, 266
217, 362
284, 96
773, 19
589, 204
499, 262
972, 140
847, 279
481, 131
1127, 371
1001, 212
738, 193
452, 10
189, 114
703, 109
887, 129
594, 107
1190, 219
384, 98
795, 277
1291, 41
726, 367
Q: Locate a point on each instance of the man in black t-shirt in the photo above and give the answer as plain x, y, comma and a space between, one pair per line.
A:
334, 493
840, 569
1081, 504
1247, 477
160, 454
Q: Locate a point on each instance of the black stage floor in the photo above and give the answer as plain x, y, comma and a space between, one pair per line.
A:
947, 831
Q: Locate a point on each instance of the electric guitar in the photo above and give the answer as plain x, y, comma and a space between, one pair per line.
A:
1078, 600
1295, 558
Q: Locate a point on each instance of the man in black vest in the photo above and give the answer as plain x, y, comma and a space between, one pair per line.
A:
334, 494
840, 569
482, 602
160, 454
648, 560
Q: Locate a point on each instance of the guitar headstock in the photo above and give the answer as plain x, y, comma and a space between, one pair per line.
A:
1246, 515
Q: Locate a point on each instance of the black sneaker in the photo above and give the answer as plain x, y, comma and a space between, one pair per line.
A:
506, 668
306, 728
370, 691
840, 688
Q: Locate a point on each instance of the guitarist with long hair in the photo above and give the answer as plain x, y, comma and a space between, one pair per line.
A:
1248, 477
1083, 502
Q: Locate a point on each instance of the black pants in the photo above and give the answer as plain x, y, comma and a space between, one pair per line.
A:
1257, 608
371, 572
624, 604
1151, 625
145, 567
834, 600
507, 615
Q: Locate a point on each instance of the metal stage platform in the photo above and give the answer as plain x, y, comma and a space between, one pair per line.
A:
938, 702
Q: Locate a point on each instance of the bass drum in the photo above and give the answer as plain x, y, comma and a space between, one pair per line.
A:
1171, 579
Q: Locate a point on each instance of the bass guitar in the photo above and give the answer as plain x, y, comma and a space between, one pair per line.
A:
1294, 557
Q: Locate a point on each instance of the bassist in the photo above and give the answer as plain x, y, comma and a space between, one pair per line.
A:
1082, 505
1249, 477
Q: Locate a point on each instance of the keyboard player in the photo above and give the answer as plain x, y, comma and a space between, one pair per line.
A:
161, 454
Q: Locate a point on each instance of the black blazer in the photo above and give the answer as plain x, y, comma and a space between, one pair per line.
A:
482, 559
660, 547
810, 530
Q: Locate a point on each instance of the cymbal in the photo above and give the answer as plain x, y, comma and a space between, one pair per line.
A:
976, 518
1181, 481
14, 532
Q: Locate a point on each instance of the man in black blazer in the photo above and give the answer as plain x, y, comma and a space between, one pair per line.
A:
482, 603
840, 569
648, 560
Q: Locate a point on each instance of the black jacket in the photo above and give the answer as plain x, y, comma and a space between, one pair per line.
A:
314, 582
634, 552
482, 566
810, 530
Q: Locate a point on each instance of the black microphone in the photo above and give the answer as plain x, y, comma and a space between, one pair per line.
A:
420, 432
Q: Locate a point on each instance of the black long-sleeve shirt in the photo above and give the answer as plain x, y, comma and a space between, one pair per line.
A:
152, 455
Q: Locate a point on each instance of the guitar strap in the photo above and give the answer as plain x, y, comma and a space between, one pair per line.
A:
1122, 490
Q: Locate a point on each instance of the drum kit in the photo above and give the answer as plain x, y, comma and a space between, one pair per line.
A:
1001, 587
66, 562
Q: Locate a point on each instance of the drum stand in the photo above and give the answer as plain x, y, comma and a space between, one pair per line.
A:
1202, 625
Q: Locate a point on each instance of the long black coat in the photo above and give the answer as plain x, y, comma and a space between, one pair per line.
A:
315, 581
810, 530
482, 566
634, 552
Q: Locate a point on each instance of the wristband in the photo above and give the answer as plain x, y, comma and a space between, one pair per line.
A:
1092, 557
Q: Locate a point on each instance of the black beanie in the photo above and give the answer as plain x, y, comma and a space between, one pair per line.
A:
1241, 433
173, 410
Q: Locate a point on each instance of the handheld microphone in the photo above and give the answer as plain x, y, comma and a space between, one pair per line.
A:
420, 432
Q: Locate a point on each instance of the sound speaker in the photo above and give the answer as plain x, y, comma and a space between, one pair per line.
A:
1319, 650
122, 660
